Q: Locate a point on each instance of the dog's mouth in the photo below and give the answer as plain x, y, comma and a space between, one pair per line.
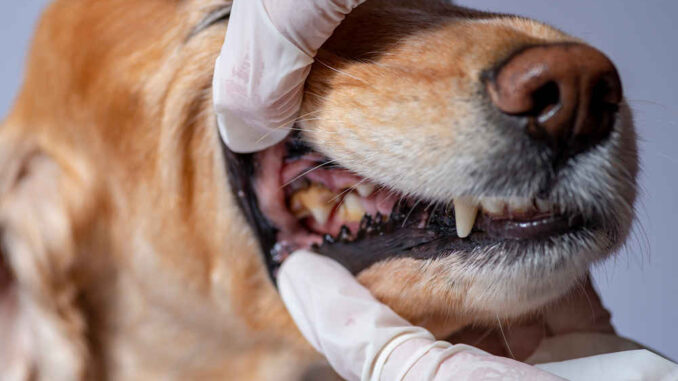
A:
308, 201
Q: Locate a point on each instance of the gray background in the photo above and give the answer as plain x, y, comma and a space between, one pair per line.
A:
640, 285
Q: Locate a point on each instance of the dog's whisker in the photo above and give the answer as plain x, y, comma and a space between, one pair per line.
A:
648, 102
503, 335
283, 125
581, 286
314, 130
324, 98
482, 337
432, 214
308, 172
342, 72
347, 190
410, 213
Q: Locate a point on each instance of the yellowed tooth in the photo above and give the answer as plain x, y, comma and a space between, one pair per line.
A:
543, 205
519, 204
365, 189
493, 205
321, 215
465, 212
297, 208
316, 201
351, 210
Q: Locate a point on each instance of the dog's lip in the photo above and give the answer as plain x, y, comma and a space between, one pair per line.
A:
438, 237
538, 227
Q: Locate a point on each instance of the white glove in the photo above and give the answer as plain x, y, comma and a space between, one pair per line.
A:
266, 57
363, 339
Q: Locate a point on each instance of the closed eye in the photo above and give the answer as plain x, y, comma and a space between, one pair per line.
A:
213, 18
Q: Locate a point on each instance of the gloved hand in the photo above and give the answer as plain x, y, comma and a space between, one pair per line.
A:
363, 339
265, 59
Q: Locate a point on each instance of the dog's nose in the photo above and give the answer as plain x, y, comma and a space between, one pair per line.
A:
568, 94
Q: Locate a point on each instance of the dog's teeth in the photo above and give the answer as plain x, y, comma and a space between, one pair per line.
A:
365, 190
344, 234
519, 204
543, 205
465, 212
321, 214
493, 205
298, 208
315, 201
351, 210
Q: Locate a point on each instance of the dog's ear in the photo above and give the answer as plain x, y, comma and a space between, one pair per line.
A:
42, 329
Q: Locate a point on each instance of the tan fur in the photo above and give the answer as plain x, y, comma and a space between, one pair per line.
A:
127, 249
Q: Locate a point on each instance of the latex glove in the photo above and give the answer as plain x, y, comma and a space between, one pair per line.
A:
364, 339
264, 62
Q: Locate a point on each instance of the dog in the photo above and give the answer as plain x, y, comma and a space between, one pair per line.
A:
468, 167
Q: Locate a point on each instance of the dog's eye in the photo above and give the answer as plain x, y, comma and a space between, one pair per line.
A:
213, 18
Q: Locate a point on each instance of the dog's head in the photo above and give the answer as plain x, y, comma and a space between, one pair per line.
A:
464, 165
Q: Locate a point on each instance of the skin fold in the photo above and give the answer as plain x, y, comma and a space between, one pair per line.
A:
125, 254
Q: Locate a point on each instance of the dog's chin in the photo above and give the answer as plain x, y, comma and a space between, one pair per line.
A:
484, 275
503, 278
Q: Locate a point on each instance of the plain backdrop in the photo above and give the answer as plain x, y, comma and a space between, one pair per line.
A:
640, 285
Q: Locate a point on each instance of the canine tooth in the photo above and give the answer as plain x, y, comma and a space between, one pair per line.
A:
365, 190
351, 210
465, 212
493, 205
315, 201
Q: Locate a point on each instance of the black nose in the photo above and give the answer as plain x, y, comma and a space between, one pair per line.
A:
569, 94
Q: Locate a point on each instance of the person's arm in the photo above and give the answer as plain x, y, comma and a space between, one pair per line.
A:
266, 57
364, 339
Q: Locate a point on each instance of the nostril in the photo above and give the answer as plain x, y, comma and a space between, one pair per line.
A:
546, 101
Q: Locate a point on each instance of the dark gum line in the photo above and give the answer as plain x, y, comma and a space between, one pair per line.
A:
374, 243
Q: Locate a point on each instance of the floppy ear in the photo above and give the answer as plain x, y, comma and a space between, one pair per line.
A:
42, 330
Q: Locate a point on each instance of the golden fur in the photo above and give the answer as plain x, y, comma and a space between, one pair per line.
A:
128, 256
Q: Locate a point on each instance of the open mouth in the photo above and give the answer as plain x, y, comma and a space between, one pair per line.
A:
310, 202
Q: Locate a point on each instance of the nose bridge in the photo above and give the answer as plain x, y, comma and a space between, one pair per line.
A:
568, 93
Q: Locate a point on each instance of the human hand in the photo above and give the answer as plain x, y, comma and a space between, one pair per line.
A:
264, 62
365, 340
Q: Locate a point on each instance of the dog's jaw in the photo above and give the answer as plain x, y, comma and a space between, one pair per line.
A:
401, 132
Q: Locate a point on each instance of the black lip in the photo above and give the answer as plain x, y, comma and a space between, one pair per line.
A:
403, 236
242, 170
535, 228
